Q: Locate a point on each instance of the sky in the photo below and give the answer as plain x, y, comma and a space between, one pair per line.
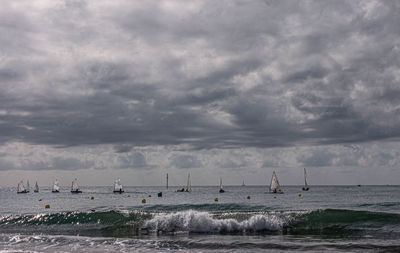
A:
101, 90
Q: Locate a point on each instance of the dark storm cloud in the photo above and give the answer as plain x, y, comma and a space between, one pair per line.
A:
205, 74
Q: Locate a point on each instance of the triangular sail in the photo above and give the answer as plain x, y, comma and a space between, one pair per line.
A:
189, 185
220, 184
243, 183
274, 187
305, 179
36, 187
117, 185
55, 186
21, 187
74, 186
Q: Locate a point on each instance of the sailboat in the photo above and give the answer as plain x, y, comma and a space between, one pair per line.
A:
36, 187
75, 187
21, 188
243, 183
221, 187
306, 187
27, 186
275, 187
118, 186
56, 188
189, 185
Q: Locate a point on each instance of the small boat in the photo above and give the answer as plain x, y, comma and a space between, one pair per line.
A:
243, 183
159, 194
27, 186
275, 187
118, 186
75, 187
56, 188
36, 187
306, 187
21, 188
189, 185
221, 187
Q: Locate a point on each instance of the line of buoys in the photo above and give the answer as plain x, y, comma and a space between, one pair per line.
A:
144, 201
92, 198
216, 199
248, 197
47, 206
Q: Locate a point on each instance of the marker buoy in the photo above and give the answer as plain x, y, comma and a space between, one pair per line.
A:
129, 196
248, 197
47, 206
144, 201
299, 194
274, 197
92, 198
40, 199
216, 199
149, 195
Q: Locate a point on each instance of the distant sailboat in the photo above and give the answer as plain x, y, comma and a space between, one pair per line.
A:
21, 188
275, 187
36, 187
75, 187
221, 187
243, 183
118, 186
306, 187
56, 188
27, 186
189, 185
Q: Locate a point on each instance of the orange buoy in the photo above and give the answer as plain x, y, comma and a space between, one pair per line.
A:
92, 198
216, 199
144, 201
47, 206
248, 197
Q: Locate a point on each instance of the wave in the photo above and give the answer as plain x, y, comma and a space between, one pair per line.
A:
135, 223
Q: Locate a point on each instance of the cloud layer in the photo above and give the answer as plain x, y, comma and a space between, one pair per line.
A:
198, 75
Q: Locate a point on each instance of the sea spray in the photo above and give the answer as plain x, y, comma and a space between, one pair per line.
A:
204, 222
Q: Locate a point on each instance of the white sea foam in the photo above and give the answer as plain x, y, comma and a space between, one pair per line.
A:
204, 222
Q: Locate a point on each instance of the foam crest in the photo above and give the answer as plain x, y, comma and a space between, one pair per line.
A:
204, 222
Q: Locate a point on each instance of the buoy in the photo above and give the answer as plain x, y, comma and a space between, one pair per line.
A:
40, 199
299, 194
149, 195
93, 210
144, 201
92, 198
216, 199
129, 196
274, 197
47, 206
248, 197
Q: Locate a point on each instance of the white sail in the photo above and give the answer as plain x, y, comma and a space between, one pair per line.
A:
189, 185
117, 185
274, 187
21, 187
27, 185
74, 186
36, 187
221, 187
56, 188
305, 179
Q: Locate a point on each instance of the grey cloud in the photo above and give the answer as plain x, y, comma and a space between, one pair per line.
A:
185, 162
228, 76
135, 160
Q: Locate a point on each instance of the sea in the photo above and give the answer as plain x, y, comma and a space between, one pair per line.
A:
243, 219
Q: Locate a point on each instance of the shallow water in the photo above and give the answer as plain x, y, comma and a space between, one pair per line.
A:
326, 218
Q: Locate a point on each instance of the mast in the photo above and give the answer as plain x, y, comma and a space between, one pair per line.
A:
167, 180
220, 184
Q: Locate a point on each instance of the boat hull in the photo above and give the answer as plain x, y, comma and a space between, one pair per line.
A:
118, 191
76, 191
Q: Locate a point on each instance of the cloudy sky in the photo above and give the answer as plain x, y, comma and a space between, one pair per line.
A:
234, 89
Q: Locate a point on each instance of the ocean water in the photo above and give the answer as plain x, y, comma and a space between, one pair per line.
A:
326, 218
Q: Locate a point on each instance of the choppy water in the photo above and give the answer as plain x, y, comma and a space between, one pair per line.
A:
326, 218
